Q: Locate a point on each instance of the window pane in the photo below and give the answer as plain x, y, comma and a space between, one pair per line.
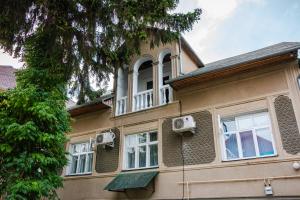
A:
153, 136
74, 164
261, 119
245, 122
130, 140
232, 151
142, 156
82, 163
84, 147
91, 145
90, 162
264, 140
75, 148
153, 155
247, 144
142, 138
130, 157
229, 125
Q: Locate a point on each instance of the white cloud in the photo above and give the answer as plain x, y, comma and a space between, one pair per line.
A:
215, 13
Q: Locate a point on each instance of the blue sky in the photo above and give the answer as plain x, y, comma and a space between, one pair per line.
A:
232, 27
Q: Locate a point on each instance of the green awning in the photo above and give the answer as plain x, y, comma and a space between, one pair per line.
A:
126, 181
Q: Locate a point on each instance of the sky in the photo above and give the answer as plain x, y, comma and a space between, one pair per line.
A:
232, 27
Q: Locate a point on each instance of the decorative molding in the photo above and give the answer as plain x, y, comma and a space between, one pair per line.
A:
197, 149
287, 123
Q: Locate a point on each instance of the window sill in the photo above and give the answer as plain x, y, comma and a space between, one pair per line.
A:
81, 174
250, 158
140, 169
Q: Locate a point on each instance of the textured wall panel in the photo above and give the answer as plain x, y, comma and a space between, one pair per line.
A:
287, 124
107, 159
197, 149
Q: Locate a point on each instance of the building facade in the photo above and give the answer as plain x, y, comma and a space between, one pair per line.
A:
246, 141
7, 77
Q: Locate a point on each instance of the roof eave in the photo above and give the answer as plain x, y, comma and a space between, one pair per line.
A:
180, 82
87, 108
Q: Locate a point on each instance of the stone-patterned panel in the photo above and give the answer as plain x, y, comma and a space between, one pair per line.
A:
107, 159
287, 124
196, 149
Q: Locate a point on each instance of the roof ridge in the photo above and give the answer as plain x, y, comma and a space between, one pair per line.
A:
257, 50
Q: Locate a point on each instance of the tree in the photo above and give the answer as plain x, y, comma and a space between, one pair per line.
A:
65, 42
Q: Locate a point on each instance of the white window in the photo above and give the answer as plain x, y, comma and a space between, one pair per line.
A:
247, 136
141, 150
81, 158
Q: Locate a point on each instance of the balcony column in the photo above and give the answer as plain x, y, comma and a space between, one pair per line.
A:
155, 68
175, 65
130, 92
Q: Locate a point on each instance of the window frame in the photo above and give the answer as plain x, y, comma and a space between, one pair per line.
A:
136, 146
87, 153
253, 130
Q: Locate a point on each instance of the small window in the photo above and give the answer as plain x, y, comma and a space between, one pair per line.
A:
247, 136
81, 159
141, 150
149, 85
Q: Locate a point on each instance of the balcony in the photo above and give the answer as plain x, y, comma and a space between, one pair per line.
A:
147, 82
121, 106
143, 100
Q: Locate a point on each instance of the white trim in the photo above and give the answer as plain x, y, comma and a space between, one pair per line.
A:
136, 146
238, 131
78, 154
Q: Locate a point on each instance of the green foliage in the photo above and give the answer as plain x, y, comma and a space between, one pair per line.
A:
94, 36
33, 123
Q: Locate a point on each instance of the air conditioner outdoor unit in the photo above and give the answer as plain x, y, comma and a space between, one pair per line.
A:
184, 124
105, 139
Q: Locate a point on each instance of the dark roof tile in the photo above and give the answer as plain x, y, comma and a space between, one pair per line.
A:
270, 51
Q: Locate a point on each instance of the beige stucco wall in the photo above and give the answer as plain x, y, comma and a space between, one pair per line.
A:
244, 178
188, 65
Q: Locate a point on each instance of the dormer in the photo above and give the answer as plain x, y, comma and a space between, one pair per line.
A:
142, 84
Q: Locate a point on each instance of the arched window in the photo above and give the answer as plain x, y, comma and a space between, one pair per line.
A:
143, 84
165, 74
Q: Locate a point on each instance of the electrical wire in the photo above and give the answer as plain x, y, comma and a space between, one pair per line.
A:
182, 154
183, 170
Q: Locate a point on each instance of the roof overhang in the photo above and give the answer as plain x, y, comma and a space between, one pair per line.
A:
208, 73
87, 108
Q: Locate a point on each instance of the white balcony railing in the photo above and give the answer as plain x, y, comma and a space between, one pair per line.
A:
165, 94
143, 100
121, 107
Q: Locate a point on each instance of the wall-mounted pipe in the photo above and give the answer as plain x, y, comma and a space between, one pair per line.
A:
239, 180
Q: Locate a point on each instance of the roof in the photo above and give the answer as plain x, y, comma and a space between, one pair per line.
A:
260, 54
7, 77
92, 106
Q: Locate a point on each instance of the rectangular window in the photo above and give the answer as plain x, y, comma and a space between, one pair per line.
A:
81, 158
141, 150
247, 136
